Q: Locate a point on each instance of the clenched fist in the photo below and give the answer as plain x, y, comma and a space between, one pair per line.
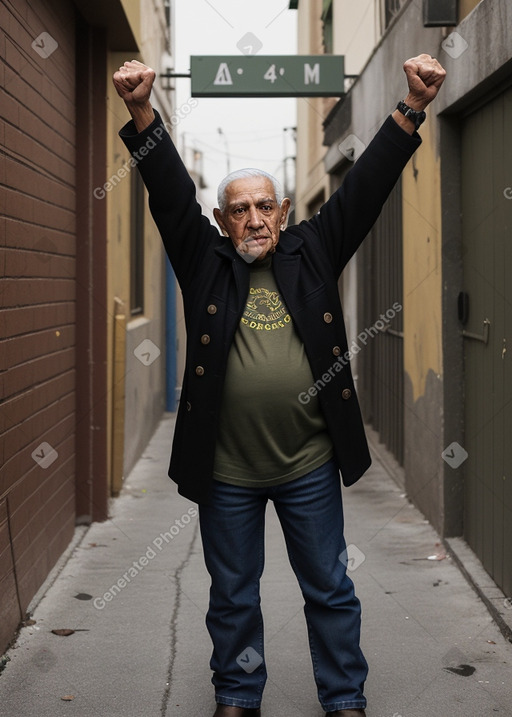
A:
424, 77
133, 82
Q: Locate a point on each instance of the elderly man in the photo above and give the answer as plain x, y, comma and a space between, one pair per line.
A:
265, 326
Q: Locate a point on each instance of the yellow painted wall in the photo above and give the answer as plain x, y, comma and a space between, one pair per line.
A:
132, 11
118, 172
143, 388
422, 262
465, 7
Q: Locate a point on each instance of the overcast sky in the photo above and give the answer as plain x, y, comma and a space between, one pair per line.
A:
252, 128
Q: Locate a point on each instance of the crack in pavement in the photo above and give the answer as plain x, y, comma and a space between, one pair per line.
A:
174, 623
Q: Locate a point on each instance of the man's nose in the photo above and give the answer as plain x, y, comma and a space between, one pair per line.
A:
255, 219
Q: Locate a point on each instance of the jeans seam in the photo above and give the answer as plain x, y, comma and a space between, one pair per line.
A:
257, 588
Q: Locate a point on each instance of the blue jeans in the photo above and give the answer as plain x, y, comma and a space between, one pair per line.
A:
232, 529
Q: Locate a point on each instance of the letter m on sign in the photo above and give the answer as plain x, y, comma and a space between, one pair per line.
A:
311, 74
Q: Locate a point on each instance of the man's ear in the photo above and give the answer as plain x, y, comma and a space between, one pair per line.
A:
285, 208
218, 218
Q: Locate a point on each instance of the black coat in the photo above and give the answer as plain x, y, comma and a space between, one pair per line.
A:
214, 279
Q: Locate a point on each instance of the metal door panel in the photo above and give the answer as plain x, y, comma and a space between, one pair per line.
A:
487, 212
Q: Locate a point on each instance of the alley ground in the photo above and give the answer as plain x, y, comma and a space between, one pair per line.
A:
142, 650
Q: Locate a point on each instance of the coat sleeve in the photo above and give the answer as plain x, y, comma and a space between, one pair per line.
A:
186, 232
347, 217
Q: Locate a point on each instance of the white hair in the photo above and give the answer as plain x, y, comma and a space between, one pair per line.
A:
244, 174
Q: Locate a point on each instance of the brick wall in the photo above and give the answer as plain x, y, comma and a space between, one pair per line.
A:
37, 297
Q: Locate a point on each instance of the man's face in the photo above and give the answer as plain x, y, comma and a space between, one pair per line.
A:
252, 218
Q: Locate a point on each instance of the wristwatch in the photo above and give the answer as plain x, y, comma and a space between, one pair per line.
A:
417, 117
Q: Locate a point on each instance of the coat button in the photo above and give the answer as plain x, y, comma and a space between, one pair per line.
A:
205, 339
199, 370
336, 351
327, 317
212, 309
189, 406
346, 393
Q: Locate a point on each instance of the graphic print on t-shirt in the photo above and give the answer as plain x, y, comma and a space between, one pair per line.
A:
265, 310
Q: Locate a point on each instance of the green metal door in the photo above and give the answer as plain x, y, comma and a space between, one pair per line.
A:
486, 310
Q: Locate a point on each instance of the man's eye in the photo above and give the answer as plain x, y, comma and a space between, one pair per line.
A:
266, 207
239, 210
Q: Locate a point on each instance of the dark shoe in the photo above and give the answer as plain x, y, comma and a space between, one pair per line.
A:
231, 711
346, 713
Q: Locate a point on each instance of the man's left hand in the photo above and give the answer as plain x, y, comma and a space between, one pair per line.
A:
425, 75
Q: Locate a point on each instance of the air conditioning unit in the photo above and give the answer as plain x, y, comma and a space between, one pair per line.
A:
440, 13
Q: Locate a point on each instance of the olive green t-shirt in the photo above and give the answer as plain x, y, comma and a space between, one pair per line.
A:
266, 435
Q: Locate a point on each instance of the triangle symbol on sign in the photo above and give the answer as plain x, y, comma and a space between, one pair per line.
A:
223, 76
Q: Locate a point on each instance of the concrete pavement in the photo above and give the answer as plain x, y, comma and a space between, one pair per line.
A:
134, 590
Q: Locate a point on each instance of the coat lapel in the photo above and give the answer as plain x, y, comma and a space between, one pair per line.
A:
286, 264
240, 269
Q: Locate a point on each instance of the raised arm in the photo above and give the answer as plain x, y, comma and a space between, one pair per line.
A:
186, 233
347, 217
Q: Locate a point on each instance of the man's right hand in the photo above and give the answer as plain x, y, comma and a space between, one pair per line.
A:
133, 82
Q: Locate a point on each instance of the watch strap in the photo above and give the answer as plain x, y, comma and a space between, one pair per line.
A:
416, 116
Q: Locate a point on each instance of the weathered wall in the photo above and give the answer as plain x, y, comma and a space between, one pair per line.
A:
487, 59
144, 381
373, 97
37, 373
423, 351
431, 222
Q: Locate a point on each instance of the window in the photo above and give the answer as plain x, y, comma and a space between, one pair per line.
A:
391, 8
137, 245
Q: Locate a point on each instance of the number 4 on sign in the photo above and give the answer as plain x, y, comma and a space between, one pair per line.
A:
270, 74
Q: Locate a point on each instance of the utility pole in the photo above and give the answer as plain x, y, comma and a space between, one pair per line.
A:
228, 165
286, 157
